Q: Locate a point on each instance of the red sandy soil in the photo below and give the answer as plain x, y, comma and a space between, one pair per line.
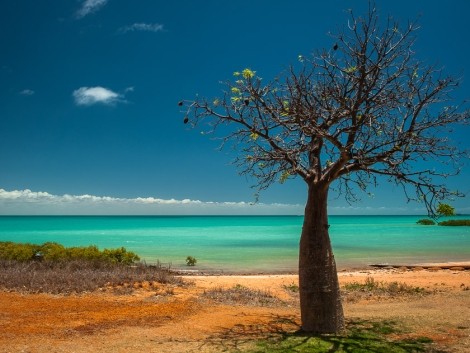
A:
177, 319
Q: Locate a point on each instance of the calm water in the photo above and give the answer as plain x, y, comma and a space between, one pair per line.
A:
251, 243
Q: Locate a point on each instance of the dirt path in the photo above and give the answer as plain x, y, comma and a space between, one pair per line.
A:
178, 320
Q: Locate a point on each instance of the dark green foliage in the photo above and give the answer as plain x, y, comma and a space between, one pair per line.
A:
191, 261
426, 222
121, 256
51, 251
456, 222
88, 253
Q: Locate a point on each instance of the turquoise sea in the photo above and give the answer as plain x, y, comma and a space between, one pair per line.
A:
246, 243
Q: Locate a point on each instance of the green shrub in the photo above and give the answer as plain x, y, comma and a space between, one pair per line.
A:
293, 288
426, 222
191, 261
51, 251
87, 253
456, 222
20, 252
120, 256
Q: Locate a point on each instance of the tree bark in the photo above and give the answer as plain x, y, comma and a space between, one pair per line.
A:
320, 300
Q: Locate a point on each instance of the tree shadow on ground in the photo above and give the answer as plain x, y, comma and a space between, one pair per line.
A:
282, 334
239, 337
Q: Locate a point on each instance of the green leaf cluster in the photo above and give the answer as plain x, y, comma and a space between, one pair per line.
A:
445, 210
246, 74
284, 176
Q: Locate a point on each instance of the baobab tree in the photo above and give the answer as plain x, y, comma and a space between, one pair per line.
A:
363, 111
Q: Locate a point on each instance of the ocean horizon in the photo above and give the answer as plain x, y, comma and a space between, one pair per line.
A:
247, 243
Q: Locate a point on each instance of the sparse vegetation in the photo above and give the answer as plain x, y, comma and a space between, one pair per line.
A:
355, 290
456, 223
242, 295
426, 222
292, 287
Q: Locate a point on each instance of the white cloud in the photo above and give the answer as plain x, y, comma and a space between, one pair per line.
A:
24, 195
90, 6
95, 95
143, 27
31, 202
27, 92
27, 202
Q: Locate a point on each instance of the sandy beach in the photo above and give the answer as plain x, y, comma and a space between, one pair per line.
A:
182, 319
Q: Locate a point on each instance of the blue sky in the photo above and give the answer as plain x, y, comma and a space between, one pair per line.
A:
89, 91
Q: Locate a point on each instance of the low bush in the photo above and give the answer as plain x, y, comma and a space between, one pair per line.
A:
292, 287
371, 288
426, 222
242, 295
51, 251
392, 288
456, 222
121, 256
191, 261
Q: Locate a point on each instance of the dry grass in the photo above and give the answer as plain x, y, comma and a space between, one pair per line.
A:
355, 291
241, 295
78, 276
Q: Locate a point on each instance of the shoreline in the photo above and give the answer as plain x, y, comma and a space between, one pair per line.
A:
429, 266
431, 278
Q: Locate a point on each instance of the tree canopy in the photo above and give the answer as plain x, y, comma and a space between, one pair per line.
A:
363, 108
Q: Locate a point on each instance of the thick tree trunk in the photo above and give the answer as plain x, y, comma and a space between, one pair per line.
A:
320, 301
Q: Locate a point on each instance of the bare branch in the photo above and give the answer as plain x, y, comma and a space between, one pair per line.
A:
367, 108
